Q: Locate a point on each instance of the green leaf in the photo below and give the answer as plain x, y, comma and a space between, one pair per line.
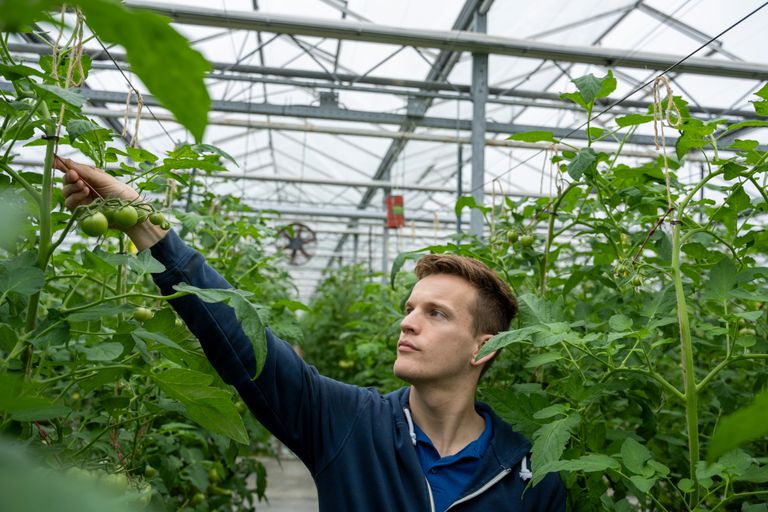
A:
744, 425
620, 323
542, 359
24, 280
103, 351
590, 463
157, 337
533, 136
588, 86
211, 407
81, 127
643, 484
18, 15
551, 412
549, 443
505, 338
585, 159
634, 455
68, 96
248, 314
469, 201
535, 310
722, 279
174, 75
633, 120
575, 97
763, 92
207, 148
144, 263
397, 264
20, 400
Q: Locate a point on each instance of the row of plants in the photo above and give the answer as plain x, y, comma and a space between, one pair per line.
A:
638, 363
97, 372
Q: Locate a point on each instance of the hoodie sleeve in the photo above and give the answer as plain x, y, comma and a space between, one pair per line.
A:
309, 413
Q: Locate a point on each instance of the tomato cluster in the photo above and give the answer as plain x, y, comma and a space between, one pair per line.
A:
99, 216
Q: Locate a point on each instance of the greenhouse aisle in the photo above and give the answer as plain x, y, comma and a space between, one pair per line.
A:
289, 486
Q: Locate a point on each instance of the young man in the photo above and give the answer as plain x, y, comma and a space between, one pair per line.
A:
426, 447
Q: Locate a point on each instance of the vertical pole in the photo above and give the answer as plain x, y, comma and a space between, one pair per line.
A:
460, 182
355, 245
479, 95
385, 255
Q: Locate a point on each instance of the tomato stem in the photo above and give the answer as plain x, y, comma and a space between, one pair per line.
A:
689, 377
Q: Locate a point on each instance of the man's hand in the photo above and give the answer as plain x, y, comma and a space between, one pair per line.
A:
84, 183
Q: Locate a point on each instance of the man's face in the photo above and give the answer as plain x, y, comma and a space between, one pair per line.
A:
437, 339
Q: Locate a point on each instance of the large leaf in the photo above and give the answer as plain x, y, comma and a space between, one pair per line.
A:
19, 15
634, 455
533, 136
583, 161
590, 463
722, 279
505, 338
211, 407
535, 310
172, 71
549, 443
103, 351
744, 425
22, 279
249, 315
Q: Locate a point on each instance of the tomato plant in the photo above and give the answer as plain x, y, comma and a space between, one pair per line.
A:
642, 337
119, 395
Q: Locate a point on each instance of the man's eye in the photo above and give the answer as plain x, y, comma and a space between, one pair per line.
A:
437, 312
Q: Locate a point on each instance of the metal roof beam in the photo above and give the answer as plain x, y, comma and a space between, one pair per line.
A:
420, 86
332, 112
454, 40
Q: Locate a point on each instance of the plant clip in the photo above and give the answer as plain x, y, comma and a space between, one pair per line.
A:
674, 222
50, 137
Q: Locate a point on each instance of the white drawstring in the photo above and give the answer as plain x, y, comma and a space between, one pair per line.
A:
525, 473
410, 425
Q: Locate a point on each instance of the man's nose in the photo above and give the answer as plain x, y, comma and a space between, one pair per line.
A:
409, 323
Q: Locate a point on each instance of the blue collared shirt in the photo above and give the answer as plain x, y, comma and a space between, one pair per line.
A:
448, 476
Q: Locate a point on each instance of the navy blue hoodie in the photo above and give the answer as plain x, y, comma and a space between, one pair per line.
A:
357, 443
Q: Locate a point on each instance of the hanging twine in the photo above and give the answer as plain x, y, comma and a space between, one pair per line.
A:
660, 115
126, 111
139, 107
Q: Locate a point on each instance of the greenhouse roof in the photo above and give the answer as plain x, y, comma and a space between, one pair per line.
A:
330, 105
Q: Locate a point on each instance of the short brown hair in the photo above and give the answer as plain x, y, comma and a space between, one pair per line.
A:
495, 306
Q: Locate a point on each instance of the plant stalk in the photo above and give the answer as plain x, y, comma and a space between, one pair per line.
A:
689, 377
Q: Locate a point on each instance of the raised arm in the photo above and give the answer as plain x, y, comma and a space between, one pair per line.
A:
309, 413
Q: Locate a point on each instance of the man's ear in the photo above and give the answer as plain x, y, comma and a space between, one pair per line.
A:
482, 341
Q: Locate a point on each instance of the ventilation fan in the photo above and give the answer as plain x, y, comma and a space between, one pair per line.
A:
297, 242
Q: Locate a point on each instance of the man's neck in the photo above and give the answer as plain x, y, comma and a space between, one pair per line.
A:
447, 416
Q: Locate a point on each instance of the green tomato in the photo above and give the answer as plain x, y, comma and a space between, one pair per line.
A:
125, 217
142, 314
512, 237
213, 476
165, 225
117, 481
197, 499
94, 224
156, 218
149, 471
527, 240
142, 214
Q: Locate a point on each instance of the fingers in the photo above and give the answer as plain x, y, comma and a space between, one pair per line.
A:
75, 199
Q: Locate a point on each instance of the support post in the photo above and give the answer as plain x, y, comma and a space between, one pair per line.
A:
479, 96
